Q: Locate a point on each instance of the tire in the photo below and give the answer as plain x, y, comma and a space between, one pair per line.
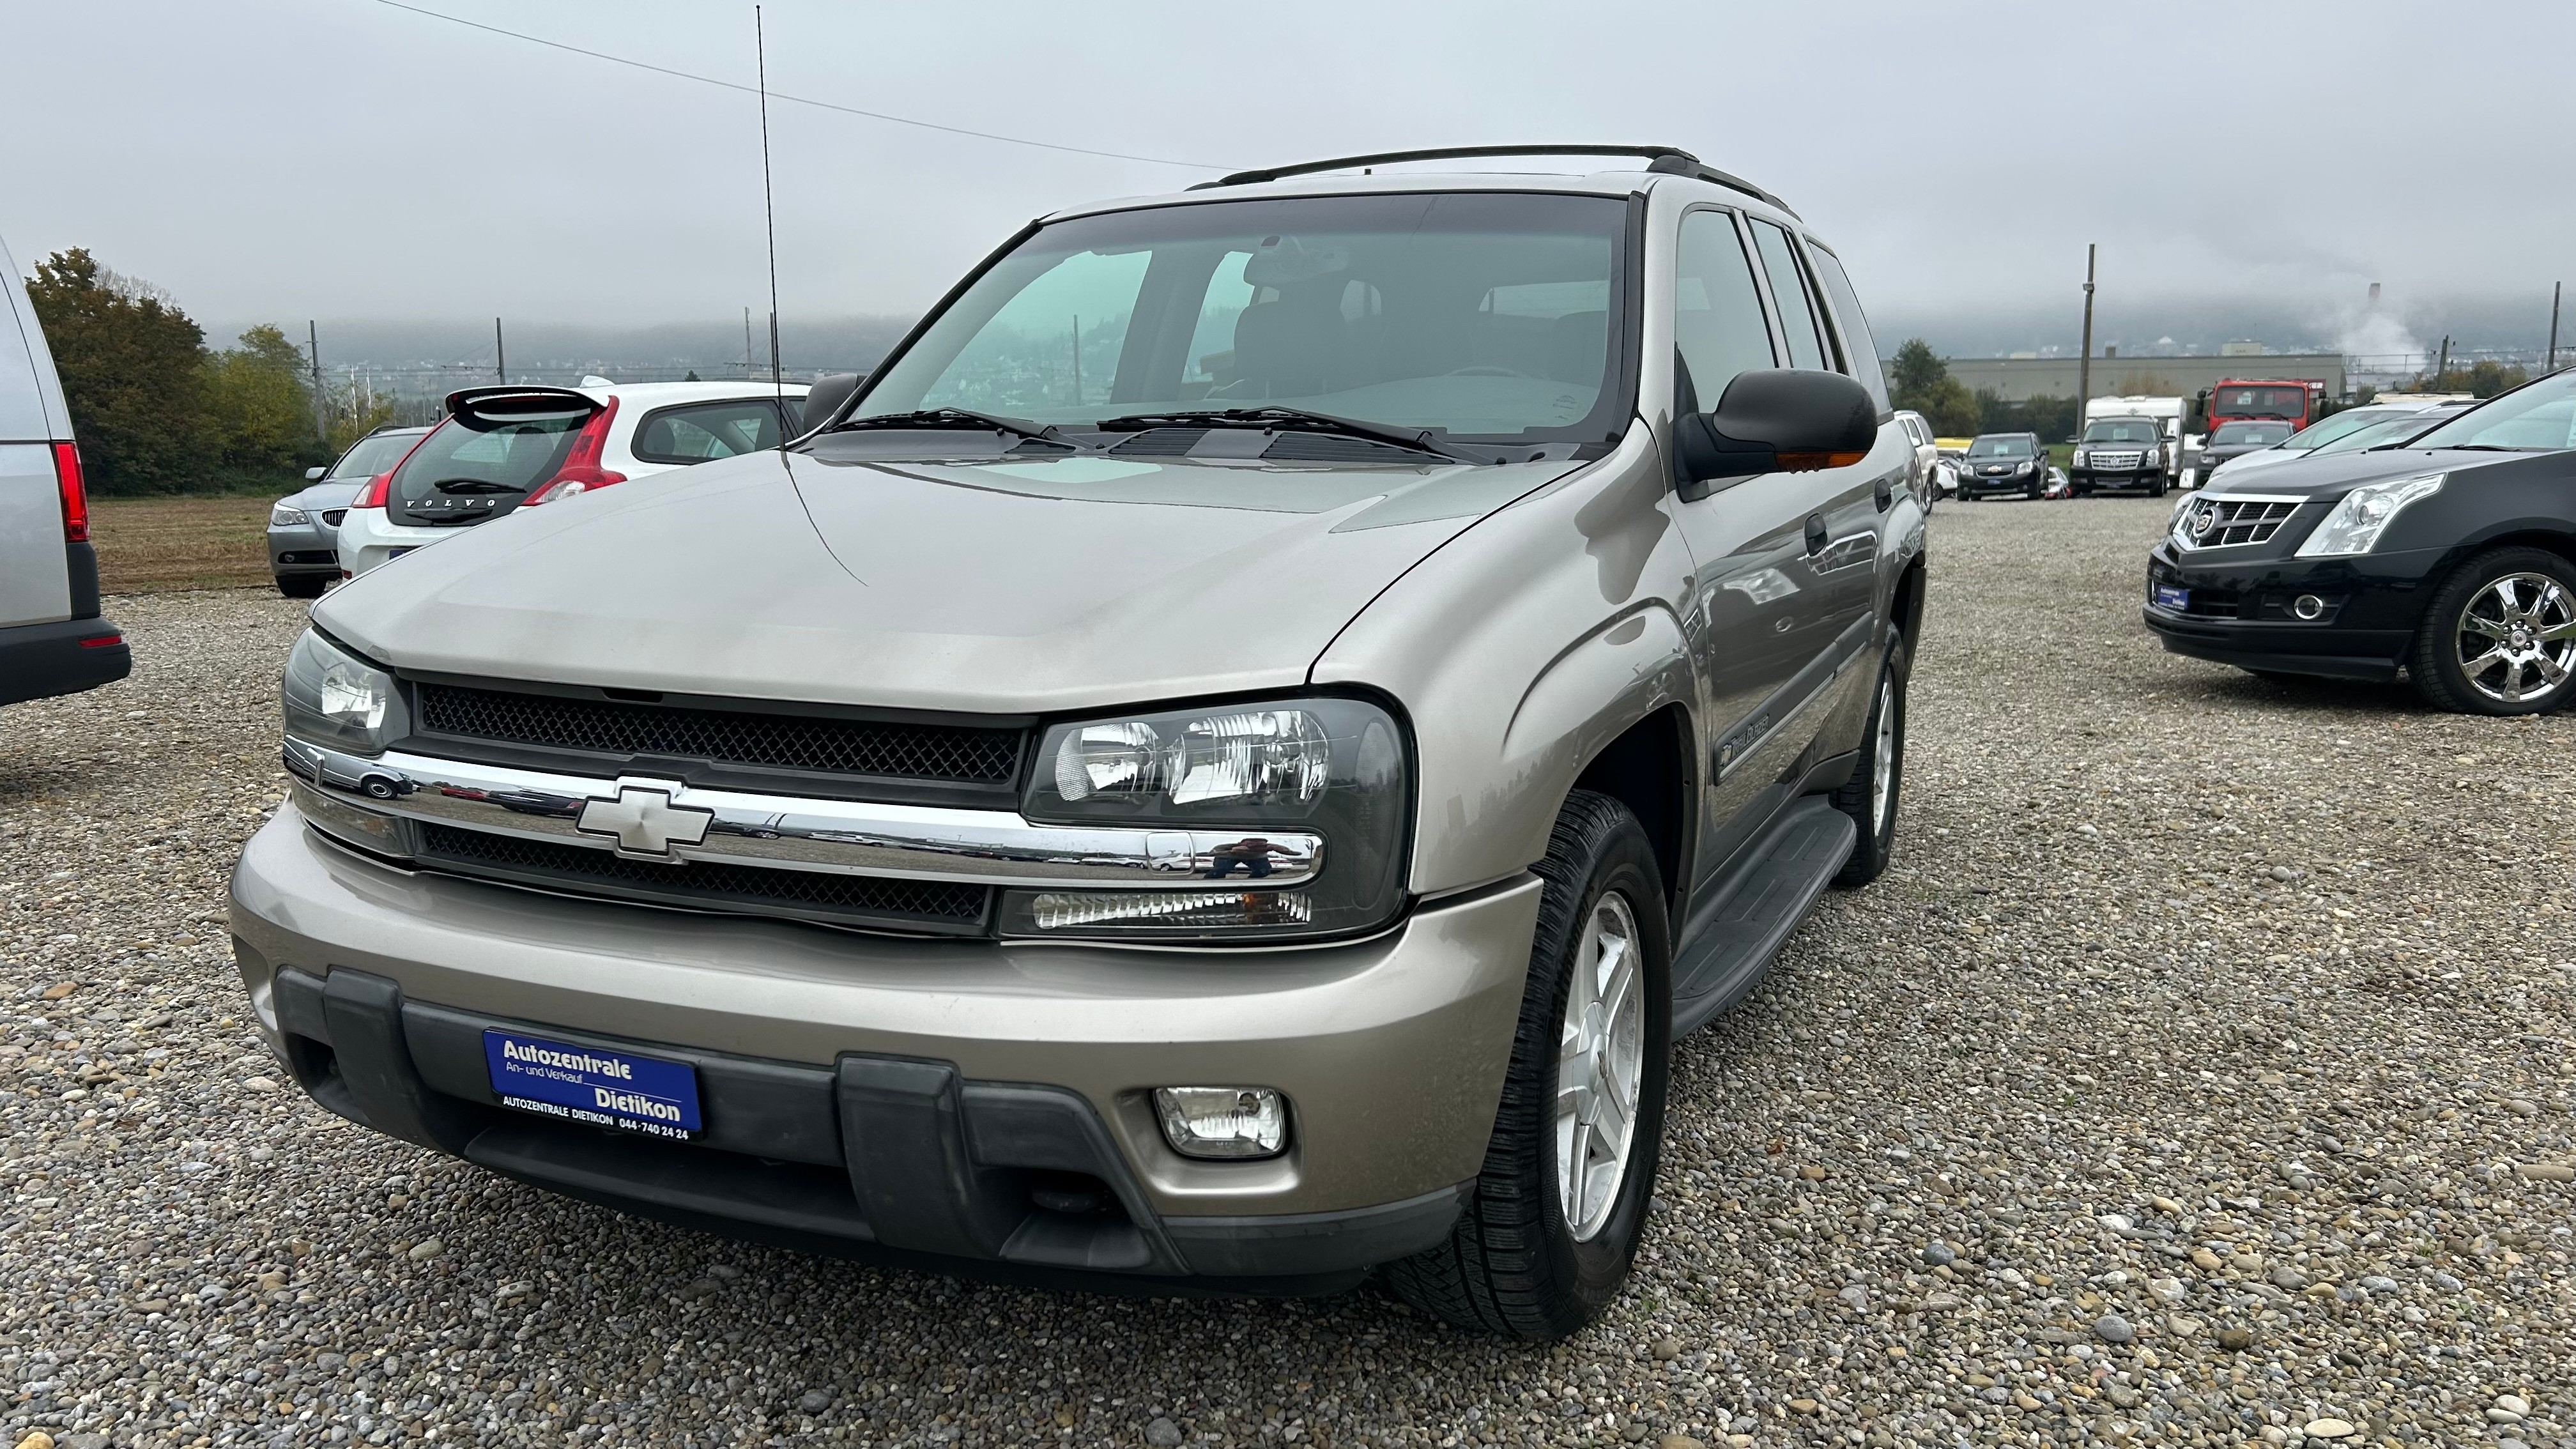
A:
1512, 1265
2156, 486
303, 586
1879, 782
2543, 586
2034, 492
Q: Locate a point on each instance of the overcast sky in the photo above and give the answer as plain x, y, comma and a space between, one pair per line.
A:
345, 159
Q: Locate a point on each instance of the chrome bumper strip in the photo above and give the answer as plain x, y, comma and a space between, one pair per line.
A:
359, 798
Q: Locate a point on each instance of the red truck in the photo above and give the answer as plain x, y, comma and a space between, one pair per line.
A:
2293, 401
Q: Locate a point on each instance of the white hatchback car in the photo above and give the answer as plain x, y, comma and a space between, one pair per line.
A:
508, 447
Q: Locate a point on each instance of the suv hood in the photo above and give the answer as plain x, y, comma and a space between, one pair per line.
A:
2331, 475
1008, 586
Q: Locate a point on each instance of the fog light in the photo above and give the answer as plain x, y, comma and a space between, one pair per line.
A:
2308, 606
1235, 1122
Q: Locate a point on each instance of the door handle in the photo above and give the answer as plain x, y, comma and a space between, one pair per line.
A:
1815, 534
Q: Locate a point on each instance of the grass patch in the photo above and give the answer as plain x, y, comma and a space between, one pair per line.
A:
158, 545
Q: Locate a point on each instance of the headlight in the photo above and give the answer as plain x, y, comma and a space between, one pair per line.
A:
1332, 768
286, 515
2364, 514
334, 698
2082, 458
2023, 467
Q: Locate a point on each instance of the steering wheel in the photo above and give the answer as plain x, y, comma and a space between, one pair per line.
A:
1490, 371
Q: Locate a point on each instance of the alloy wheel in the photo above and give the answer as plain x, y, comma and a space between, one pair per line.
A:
1600, 1068
1883, 758
2517, 638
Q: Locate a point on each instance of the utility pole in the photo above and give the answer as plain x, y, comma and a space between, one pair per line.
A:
2554, 289
2443, 367
2084, 367
500, 359
746, 345
322, 406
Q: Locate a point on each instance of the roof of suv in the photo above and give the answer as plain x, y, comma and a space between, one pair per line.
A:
1619, 181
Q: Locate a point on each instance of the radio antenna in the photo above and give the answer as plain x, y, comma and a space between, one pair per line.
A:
769, 219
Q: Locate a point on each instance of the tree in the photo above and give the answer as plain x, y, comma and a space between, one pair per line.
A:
2484, 378
1919, 380
258, 416
130, 362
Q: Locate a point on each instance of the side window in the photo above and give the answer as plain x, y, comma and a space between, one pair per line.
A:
1859, 348
702, 431
1789, 291
1717, 310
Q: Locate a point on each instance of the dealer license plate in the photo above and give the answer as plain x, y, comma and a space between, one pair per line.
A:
2169, 597
589, 1084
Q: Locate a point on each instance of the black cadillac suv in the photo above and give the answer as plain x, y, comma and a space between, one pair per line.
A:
2451, 558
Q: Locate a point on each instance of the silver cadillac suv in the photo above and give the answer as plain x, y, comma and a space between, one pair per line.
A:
1225, 763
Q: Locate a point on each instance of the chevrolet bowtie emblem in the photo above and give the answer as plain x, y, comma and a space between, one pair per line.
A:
644, 821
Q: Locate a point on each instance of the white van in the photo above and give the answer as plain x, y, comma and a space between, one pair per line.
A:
52, 640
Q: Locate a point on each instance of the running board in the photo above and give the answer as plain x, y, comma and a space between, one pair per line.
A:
1729, 942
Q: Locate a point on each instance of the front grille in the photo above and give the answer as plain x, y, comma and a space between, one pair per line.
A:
2117, 462
956, 753
332, 516
2217, 521
804, 894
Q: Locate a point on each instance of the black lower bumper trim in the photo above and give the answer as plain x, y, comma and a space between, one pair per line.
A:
2259, 647
40, 661
891, 1159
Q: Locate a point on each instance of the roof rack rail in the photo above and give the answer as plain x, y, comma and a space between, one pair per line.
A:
1666, 160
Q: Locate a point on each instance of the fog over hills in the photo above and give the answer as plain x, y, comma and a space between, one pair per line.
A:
2136, 328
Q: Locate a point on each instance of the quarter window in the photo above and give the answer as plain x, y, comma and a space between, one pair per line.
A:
1789, 292
1717, 311
704, 431
1859, 348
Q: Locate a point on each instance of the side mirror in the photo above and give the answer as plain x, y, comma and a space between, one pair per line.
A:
1777, 420
314, 475
825, 397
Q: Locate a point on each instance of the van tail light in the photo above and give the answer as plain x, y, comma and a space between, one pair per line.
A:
67, 478
581, 471
373, 495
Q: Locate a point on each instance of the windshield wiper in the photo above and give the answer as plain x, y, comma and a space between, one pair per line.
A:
954, 420
2471, 448
1287, 419
473, 485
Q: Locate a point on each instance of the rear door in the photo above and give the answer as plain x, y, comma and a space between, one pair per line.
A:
35, 564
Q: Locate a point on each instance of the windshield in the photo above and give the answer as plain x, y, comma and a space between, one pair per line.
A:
2343, 425
371, 456
2249, 435
2124, 430
1479, 314
2260, 402
475, 466
2538, 418
2006, 447
2386, 430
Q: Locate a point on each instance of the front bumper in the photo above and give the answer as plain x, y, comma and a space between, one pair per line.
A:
303, 548
874, 1095
40, 661
2240, 611
2001, 482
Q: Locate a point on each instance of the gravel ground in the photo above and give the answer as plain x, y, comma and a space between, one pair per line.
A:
2201, 1075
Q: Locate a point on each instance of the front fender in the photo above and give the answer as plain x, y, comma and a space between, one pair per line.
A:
1520, 649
